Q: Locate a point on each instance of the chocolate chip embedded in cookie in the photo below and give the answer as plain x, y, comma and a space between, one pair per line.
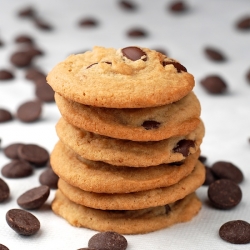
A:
134, 77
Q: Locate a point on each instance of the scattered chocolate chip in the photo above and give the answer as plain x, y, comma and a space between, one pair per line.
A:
6, 74
137, 33
161, 50
88, 22
1, 43
33, 74
49, 178
224, 194
127, 5
42, 25
34, 154
17, 169
21, 59
24, 39
227, 170
29, 111
3, 247
202, 158
214, 54
108, 241
5, 115
214, 84
243, 23
151, 125
209, 177
22, 222
177, 65
11, 150
4, 190
45, 93
33, 51
235, 232
183, 147
178, 7
34, 198
134, 53
248, 75
27, 12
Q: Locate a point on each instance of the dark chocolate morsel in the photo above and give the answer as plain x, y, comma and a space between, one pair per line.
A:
183, 147
134, 53
5, 115
214, 54
137, 33
49, 178
4, 191
243, 23
151, 124
177, 65
214, 84
6, 74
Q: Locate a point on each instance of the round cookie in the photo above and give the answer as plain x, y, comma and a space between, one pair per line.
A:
128, 153
147, 124
126, 222
101, 177
136, 200
131, 77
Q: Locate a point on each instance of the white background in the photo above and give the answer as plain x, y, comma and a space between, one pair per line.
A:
184, 36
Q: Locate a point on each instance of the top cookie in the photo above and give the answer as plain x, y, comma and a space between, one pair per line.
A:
131, 77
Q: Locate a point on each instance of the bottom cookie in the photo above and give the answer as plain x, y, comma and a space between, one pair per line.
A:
126, 222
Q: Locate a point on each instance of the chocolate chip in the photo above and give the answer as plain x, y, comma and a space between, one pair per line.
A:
227, 170
214, 54
202, 158
134, 53
148, 125
27, 12
177, 65
49, 178
29, 111
5, 115
34, 198
22, 222
167, 209
214, 84
137, 33
11, 150
17, 169
243, 23
108, 241
248, 75
34, 154
33, 51
183, 147
235, 232
209, 177
6, 74
178, 6
33, 74
85, 248
21, 59
4, 190
24, 39
42, 24
1, 43
161, 50
3, 247
224, 194
45, 93
88, 22
127, 5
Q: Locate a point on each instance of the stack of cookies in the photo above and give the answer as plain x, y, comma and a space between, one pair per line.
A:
129, 141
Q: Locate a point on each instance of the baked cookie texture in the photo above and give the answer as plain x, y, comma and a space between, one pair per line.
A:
129, 141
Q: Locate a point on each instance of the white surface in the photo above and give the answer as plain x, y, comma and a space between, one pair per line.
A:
227, 118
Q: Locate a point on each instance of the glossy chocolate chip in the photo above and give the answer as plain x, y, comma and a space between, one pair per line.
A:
214, 84
178, 6
108, 241
3, 247
148, 125
227, 170
34, 198
127, 5
21, 59
44, 93
214, 54
224, 194
10, 151
134, 53
88, 22
6, 75
5, 115
4, 190
183, 147
137, 33
209, 177
177, 65
29, 111
243, 23
17, 169
49, 178
235, 232
22, 222
33, 154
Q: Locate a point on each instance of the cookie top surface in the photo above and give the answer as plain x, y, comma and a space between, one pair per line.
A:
126, 222
142, 124
131, 77
136, 200
127, 153
104, 178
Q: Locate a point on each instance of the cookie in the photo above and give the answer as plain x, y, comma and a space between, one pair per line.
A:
136, 200
127, 153
126, 222
131, 77
144, 124
101, 177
